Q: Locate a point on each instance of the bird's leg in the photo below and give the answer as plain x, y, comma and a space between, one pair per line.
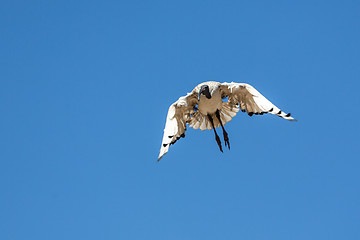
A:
226, 138
216, 136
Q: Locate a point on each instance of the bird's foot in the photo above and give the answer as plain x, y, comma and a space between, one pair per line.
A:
226, 139
218, 142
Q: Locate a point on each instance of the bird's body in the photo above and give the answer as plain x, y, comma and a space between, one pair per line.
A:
204, 108
209, 106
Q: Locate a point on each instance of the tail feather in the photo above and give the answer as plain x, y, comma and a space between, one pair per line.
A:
227, 112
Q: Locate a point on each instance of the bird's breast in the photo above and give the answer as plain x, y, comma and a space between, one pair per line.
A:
209, 106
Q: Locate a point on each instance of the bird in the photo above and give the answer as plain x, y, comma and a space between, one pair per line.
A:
211, 105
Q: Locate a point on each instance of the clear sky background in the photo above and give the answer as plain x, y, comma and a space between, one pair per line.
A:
85, 89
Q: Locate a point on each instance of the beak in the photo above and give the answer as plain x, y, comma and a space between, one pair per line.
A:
199, 96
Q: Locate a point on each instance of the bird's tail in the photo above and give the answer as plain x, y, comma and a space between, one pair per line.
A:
227, 112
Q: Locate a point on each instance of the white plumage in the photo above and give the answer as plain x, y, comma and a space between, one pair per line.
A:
204, 108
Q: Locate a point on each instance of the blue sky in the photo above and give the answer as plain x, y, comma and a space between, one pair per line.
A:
85, 88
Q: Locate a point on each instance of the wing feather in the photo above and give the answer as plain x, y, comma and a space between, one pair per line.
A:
178, 115
250, 100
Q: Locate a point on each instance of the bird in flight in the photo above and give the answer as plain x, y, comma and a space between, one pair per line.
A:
204, 108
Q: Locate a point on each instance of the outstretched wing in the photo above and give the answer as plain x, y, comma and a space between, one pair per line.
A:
250, 100
179, 113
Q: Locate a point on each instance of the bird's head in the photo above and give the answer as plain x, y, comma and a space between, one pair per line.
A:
204, 89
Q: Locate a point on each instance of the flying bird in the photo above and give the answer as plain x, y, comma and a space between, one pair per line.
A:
205, 107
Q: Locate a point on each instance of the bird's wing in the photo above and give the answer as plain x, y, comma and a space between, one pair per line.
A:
178, 115
250, 100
